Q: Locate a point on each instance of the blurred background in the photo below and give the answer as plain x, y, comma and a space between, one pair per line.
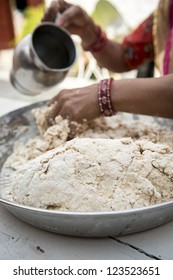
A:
19, 17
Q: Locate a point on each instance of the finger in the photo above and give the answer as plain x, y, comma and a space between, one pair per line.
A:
59, 97
63, 5
52, 101
52, 113
73, 130
50, 13
69, 16
73, 125
65, 113
55, 8
55, 98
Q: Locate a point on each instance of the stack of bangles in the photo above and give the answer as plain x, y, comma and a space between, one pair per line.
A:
104, 97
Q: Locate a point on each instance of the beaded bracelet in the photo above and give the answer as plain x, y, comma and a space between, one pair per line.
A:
104, 97
99, 44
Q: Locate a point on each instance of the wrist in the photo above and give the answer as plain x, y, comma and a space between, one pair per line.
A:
89, 34
95, 39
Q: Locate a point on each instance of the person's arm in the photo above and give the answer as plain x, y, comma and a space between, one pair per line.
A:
77, 21
148, 96
135, 49
112, 57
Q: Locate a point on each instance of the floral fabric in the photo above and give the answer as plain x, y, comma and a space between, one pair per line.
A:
138, 46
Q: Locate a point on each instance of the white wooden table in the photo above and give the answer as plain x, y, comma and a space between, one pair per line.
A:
19, 240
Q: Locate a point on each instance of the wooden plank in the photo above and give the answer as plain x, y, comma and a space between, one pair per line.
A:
157, 242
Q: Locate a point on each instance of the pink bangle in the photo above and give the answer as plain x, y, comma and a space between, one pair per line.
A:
99, 44
104, 97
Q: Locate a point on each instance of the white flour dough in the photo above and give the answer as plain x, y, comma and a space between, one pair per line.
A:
96, 175
58, 133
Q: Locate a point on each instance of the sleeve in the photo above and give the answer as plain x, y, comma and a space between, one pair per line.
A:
138, 46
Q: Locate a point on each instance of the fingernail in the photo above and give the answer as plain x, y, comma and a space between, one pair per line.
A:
59, 21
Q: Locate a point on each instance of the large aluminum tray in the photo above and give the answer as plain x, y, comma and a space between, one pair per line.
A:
88, 224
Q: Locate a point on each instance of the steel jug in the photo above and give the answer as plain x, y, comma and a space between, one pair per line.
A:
42, 59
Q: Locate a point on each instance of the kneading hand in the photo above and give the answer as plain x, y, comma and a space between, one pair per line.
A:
76, 104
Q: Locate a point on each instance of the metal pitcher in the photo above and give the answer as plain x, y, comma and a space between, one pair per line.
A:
42, 59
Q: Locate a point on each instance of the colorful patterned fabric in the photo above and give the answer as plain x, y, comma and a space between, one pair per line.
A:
138, 46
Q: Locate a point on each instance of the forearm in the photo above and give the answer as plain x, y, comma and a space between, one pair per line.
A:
136, 49
77, 21
151, 96
111, 56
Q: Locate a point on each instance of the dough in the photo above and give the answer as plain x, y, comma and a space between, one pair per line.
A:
57, 134
96, 175
113, 163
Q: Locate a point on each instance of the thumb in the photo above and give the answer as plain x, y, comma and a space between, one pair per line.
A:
59, 19
68, 17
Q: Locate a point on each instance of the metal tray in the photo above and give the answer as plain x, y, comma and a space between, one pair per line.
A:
90, 224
